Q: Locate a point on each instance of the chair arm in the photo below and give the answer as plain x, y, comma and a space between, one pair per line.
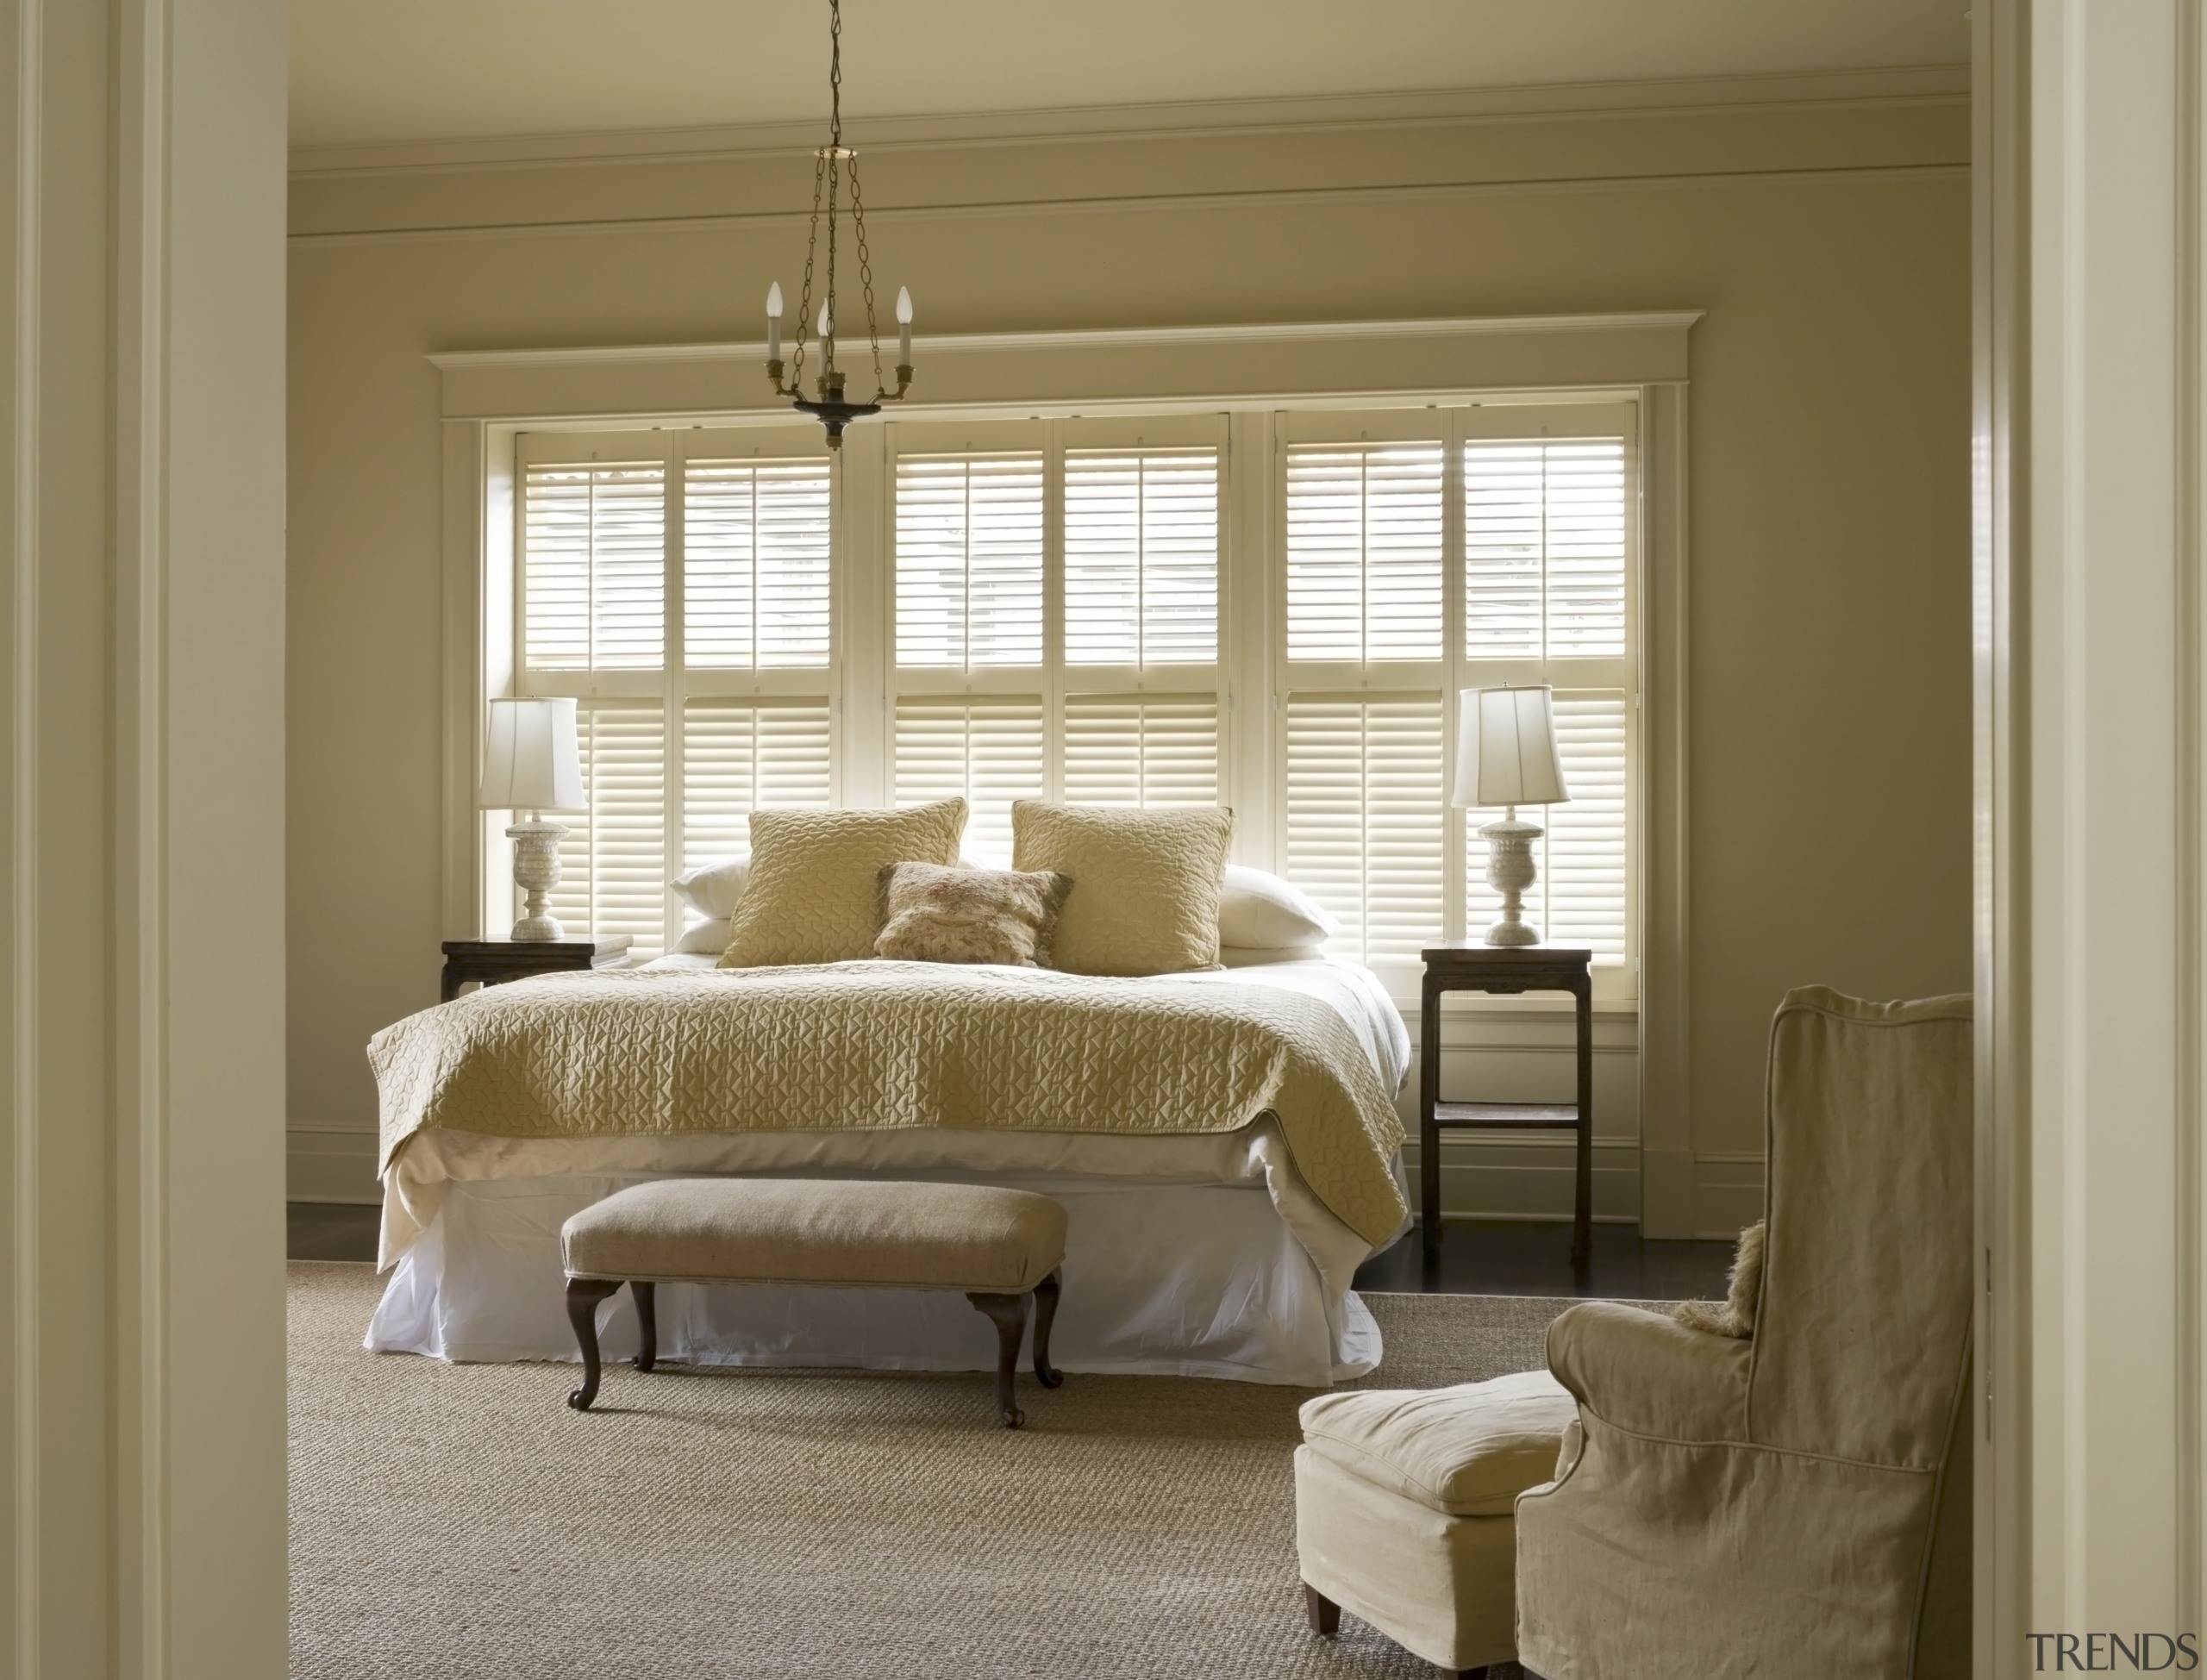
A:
1652, 1375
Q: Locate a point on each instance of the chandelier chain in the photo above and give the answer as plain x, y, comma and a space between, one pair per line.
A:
804, 296
866, 279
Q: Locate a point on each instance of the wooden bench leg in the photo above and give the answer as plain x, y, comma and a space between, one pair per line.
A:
647, 1324
1325, 1614
1010, 1313
583, 1295
1046, 1312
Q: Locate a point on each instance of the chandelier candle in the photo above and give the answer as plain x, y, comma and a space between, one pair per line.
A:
836, 163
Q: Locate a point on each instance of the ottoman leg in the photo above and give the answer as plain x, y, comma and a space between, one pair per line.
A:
583, 1295
1046, 1313
1010, 1313
1325, 1614
647, 1324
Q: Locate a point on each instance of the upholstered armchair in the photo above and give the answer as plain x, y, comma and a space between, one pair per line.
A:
1798, 1504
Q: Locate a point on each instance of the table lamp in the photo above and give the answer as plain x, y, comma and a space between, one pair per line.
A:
531, 764
1505, 756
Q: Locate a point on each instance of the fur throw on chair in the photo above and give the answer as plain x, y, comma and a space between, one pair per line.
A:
1735, 1315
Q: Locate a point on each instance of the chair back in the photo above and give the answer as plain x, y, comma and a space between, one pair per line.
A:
1862, 1335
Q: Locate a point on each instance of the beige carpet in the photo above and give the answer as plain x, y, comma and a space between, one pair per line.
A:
460, 1520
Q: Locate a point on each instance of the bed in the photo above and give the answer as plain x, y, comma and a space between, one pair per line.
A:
1224, 1141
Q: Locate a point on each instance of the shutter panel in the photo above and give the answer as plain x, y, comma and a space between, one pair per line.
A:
1544, 548
613, 861
594, 567
1141, 557
1580, 897
1364, 551
969, 561
988, 752
756, 565
738, 757
1123, 749
1364, 829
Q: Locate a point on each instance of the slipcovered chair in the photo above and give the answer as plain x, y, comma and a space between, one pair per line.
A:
1798, 1503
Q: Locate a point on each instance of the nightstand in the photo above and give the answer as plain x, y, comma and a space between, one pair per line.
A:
1471, 966
490, 961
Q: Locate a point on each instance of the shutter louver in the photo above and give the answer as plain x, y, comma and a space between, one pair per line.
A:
1141, 557
1123, 749
613, 861
1364, 551
969, 561
987, 752
1580, 896
738, 757
1544, 548
1364, 829
756, 565
594, 567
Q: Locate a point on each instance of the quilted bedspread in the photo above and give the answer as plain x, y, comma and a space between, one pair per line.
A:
877, 1045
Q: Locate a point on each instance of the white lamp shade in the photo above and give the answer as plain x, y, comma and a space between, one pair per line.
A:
1505, 748
531, 761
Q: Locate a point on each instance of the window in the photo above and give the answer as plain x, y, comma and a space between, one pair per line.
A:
1056, 608
1274, 610
677, 583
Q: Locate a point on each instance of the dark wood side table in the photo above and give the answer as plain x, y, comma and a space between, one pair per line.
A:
1471, 966
490, 961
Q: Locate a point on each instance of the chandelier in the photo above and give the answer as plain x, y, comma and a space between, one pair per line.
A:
836, 163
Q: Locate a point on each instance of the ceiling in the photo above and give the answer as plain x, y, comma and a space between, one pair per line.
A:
388, 70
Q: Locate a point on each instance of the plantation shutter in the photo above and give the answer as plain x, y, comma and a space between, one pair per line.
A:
612, 860
1365, 536
1141, 557
1544, 548
756, 565
1365, 832
737, 759
988, 753
593, 577
969, 561
1143, 750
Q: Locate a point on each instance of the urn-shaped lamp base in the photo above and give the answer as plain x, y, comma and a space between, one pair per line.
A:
1509, 872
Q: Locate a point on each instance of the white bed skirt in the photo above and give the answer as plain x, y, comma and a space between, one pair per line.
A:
1160, 1279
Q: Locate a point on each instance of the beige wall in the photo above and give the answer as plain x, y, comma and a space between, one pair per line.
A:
1826, 240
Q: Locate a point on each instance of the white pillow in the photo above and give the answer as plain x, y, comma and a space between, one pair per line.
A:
1262, 911
714, 889
1244, 956
706, 938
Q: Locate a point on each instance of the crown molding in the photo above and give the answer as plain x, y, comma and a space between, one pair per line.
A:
1904, 85
1120, 338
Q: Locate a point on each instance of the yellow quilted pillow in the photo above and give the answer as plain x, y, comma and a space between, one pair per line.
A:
1146, 883
815, 894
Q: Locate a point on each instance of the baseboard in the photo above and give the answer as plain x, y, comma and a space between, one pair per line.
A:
1528, 1177
331, 1166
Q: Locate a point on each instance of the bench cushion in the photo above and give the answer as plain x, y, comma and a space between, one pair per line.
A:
1466, 1451
856, 1233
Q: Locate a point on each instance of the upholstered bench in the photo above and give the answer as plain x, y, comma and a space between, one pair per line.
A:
1403, 1510
1002, 1247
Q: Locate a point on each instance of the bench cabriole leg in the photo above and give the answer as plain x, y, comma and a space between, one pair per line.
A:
1010, 1314
647, 1324
583, 1295
1046, 1312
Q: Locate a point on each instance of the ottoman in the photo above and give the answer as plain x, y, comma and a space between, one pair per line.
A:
1000, 1248
1402, 1509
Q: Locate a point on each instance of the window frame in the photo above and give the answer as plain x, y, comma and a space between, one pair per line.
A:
1252, 678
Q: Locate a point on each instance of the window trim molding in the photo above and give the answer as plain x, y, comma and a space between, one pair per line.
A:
486, 397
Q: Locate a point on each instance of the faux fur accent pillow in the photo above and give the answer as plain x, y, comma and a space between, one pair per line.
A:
815, 892
1147, 883
934, 915
1735, 1315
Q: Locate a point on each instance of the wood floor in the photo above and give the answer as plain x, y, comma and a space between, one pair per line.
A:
1478, 1257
